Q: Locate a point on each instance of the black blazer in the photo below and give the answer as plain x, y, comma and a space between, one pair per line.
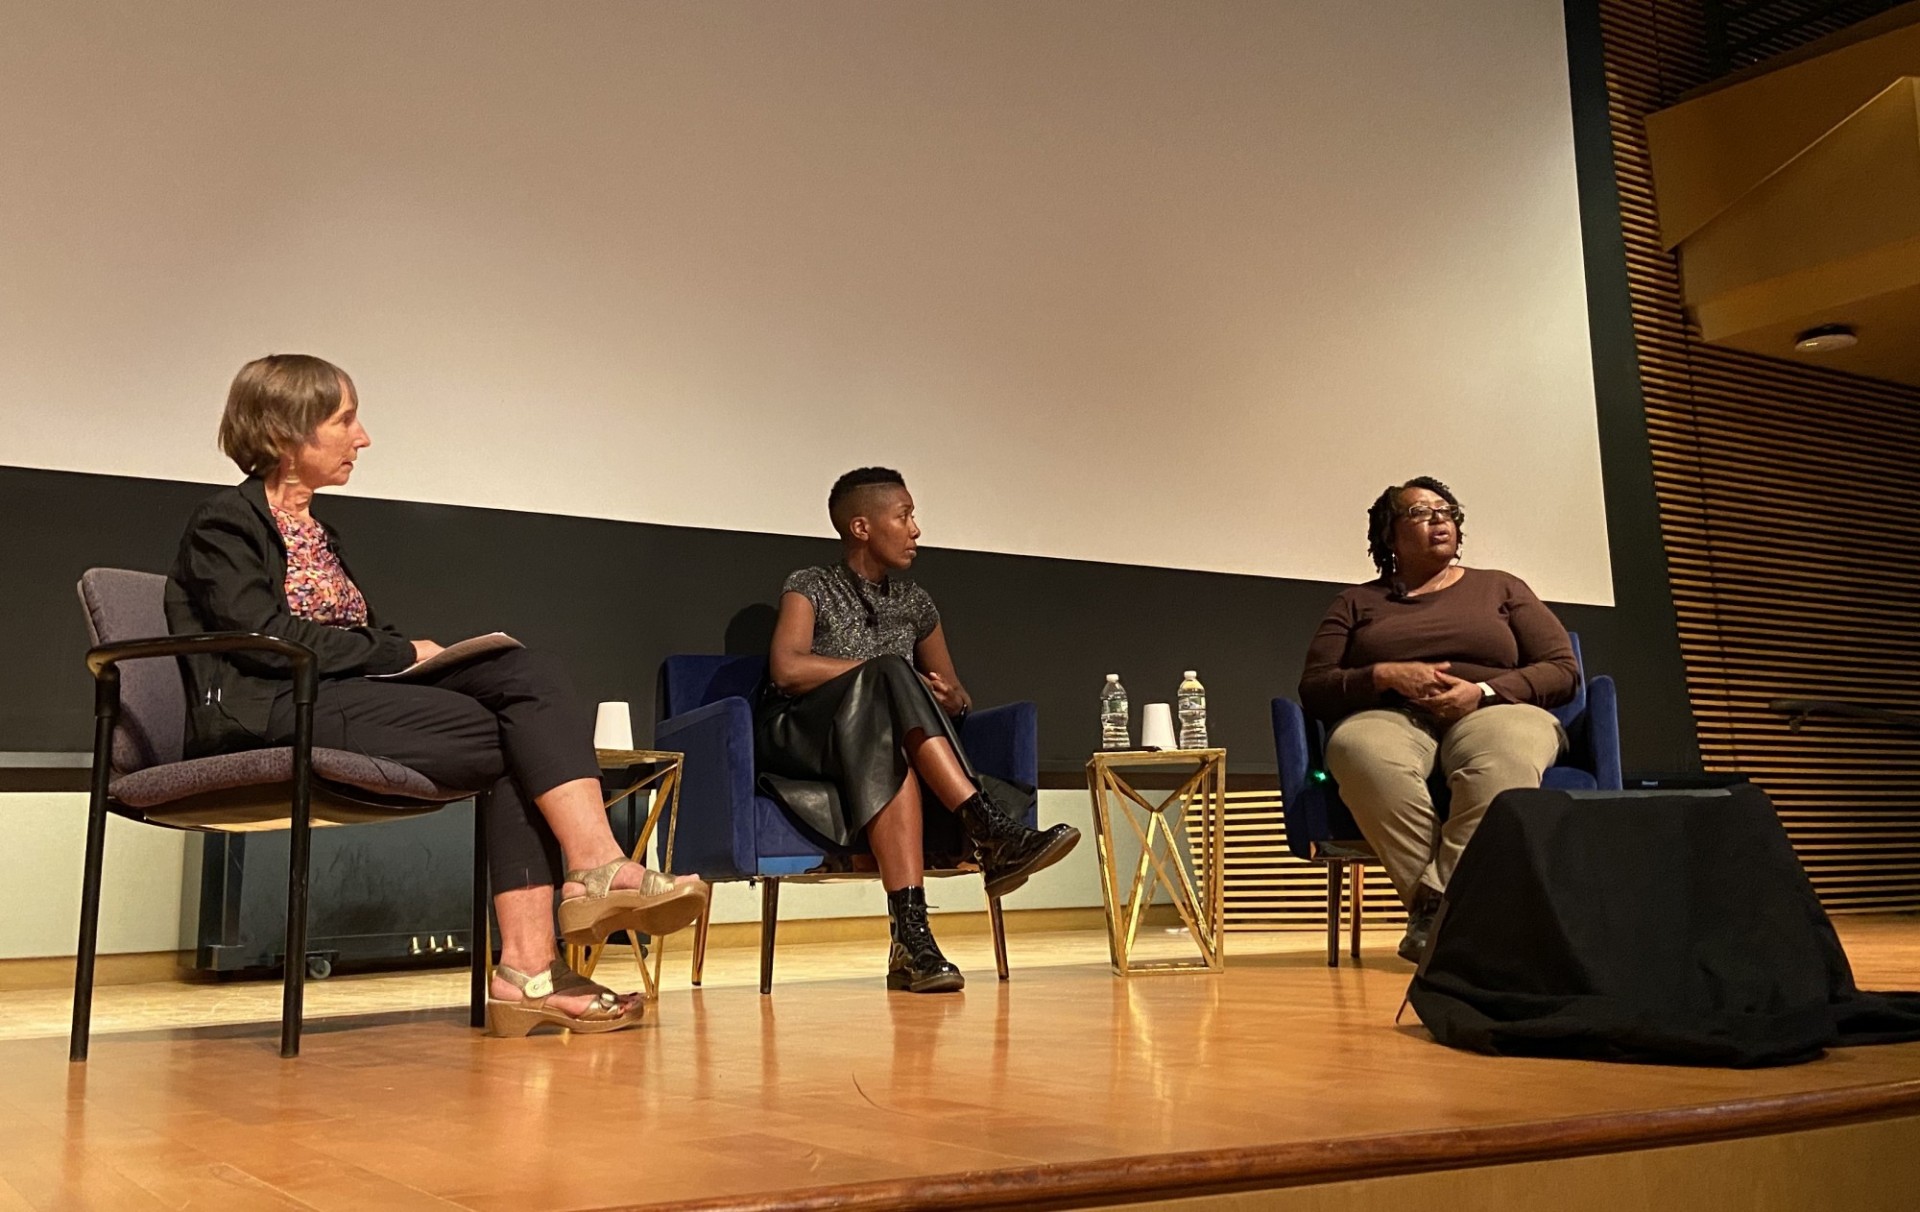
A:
231, 575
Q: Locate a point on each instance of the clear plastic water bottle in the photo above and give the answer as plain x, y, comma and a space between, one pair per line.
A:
1191, 705
1114, 730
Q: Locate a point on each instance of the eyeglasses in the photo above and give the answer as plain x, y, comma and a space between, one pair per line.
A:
1422, 515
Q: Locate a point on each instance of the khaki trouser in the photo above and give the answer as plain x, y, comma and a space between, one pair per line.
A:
1381, 759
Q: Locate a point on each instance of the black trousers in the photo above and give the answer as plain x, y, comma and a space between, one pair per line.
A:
509, 721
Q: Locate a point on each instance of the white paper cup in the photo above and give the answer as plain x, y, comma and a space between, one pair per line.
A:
1156, 726
613, 726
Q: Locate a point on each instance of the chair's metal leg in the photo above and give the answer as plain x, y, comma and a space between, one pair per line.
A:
999, 919
700, 943
107, 703
769, 919
1358, 899
299, 853
480, 938
1335, 870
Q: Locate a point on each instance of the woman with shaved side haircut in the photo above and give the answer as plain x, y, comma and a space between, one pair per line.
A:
860, 715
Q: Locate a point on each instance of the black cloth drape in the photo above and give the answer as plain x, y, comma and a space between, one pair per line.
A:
1676, 928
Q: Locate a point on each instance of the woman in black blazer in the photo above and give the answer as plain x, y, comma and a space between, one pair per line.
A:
255, 559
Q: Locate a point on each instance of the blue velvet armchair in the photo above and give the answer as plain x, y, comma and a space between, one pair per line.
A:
728, 830
1321, 830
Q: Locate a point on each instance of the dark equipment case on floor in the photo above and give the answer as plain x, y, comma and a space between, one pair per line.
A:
396, 891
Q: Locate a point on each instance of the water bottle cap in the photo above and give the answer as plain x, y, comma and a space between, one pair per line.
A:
1113, 677
1190, 676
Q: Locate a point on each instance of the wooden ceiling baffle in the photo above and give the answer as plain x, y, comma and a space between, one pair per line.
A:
1793, 197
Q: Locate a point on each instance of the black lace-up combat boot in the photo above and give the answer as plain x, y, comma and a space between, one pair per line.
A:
915, 962
1008, 851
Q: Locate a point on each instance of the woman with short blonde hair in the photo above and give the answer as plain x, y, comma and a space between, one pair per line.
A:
274, 404
254, 558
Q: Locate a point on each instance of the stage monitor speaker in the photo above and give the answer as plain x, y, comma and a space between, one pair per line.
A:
1671, 926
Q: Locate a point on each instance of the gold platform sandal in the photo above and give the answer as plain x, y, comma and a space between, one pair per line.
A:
657, 906
515, 1019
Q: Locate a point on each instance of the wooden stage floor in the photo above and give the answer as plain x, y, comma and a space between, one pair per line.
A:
1065, 1086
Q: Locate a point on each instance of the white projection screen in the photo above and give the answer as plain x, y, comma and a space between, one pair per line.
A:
1168, 282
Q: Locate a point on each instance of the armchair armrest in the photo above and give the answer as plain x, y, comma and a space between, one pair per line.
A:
1005, 742
1603, 733
103, 661
1291, 753
1302, 803
716, 831
102, 658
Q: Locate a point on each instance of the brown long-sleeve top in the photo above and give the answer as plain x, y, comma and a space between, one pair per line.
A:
1488, 624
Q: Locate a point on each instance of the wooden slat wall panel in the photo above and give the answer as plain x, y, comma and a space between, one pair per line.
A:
1783, 497
1266, 888
1750, 32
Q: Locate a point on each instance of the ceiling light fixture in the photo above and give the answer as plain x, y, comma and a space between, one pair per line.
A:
1828, 338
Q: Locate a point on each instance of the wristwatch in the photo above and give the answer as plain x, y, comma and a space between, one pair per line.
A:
1487, 693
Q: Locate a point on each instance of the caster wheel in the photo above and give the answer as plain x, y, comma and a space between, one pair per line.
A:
319, 967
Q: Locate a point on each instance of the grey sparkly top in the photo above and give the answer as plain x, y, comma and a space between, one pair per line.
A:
856, 620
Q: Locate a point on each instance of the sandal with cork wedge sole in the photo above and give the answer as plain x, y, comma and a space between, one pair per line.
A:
658, 906
512, 1020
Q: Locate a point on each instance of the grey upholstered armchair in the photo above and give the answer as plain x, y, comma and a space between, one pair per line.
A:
139, 771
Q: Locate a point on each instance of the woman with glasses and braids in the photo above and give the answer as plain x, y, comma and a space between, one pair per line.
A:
859, 717
1433, 664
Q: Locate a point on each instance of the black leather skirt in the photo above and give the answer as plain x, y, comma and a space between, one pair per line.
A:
832, 757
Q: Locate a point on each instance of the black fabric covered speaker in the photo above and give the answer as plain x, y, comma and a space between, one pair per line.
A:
1650, 926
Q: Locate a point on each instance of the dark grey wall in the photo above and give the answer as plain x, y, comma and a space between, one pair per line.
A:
1657, 726
613, 598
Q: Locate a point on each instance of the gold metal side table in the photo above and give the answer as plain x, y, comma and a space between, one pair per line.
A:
1196, 808
641, 770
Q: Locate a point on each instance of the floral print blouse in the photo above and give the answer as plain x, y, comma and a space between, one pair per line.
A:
318, 588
